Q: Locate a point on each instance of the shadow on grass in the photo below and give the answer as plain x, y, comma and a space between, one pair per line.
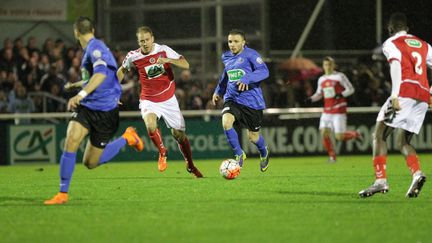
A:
19, 201
139, 178
315, 193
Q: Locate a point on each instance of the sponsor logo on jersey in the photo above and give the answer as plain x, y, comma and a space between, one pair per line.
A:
259, 60
239, 60
97, 54
85, 75
413, 43
154, 71
235, 74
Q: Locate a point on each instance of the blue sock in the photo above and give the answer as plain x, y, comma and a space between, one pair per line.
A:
67, 166
233, 140
111, 150
261, 146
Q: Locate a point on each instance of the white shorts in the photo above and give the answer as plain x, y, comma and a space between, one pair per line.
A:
336, 122
169, 110
410, 118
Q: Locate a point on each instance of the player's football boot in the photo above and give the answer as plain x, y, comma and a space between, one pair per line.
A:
59, 198
331, 160
416, 185
133, 139
264, 161
162, 162
375, 188
241, 158
194, 170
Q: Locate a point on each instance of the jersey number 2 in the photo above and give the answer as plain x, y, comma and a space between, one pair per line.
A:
418, 58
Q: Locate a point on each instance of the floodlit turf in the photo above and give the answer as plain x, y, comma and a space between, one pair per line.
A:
301, 199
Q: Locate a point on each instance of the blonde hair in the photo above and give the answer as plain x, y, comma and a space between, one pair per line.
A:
144, 29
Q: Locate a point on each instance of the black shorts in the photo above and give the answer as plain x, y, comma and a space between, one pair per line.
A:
102, 125
248, 118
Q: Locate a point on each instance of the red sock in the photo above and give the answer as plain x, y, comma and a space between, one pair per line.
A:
348, 135
157, 140
329, 147
413, 163
379, 163
186, 151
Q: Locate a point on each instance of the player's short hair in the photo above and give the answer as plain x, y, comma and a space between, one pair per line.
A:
84, 25
237, 32
144, 29
398, 21
329, 58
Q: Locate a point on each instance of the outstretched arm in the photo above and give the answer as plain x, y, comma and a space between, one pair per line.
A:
181, 62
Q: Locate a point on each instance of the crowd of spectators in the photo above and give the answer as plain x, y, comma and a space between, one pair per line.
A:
25, 68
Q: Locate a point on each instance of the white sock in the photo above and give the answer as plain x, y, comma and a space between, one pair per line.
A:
381, 181
417, 173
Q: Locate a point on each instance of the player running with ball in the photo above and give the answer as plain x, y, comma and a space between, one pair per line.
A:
243, 99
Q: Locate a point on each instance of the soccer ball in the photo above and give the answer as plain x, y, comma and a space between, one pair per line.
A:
229, 169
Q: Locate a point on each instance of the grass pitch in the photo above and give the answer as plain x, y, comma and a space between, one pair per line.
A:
301, 199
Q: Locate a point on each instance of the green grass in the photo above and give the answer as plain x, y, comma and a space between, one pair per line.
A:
299, 199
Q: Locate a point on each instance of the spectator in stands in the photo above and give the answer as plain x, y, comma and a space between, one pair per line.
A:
32, 45
7, 62
44, 63
32, 74
7, 44
52, 104
21, 104
17, 45
52, 77
48, 48
3, 102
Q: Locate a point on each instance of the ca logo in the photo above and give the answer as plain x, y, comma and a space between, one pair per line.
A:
33, 143
36, 142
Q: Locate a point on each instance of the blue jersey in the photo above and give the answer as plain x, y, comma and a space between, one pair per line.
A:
248, 68
97, 58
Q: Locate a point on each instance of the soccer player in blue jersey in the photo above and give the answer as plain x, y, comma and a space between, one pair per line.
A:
95, 111
243, 99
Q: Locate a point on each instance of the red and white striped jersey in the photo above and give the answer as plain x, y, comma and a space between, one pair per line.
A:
414, 54
157, 80
333, 88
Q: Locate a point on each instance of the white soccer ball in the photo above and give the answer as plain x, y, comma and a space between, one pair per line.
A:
229, 169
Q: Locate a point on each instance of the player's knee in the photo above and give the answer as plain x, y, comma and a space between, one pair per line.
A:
90, 163
401, 142
178, 135
253, 137
339, 136
227, 126
377, 137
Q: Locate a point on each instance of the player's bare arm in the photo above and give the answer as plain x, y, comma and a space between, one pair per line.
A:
181, 62
215, 99
121, 73
69, 85
396, 77
94, 82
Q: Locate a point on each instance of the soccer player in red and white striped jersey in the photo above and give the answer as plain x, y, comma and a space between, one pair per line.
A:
334, 87
406, 108
154, 65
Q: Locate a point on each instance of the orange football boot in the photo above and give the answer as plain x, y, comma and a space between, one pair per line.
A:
59, 198
133, 139
162, 162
